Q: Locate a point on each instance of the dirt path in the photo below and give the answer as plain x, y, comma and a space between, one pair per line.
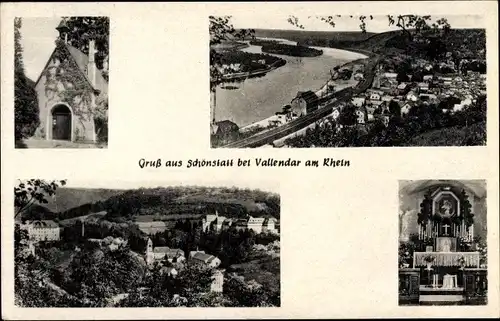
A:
42, 143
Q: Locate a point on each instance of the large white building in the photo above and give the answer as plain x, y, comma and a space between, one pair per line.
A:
214, 221
43, 230
270, 226
255, 224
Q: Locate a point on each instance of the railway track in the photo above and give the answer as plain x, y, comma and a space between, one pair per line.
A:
341, 96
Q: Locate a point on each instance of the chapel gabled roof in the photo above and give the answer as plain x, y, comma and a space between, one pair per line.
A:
81, 60
62, 25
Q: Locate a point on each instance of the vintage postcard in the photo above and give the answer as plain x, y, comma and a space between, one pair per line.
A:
258, 160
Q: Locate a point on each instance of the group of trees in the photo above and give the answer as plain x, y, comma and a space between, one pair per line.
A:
402, 131
250, 61
291, 50
25, 98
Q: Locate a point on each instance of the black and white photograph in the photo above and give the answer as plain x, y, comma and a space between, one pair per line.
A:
347, 81
442, 242
61, 82
78, 245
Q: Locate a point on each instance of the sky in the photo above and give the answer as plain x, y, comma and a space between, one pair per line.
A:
344, 23
39, 34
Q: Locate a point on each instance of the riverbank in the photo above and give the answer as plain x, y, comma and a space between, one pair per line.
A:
257, 99
229, 46
255, 73
338, 84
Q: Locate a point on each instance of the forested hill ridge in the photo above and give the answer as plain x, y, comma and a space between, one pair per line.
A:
160, 202
464, 40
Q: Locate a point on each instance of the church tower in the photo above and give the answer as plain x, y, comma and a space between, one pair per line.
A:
149, 252
63, 30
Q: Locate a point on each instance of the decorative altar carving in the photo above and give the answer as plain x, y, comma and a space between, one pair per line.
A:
468, 259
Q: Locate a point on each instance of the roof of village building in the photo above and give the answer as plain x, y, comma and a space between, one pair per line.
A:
82, 60
241, 222
43, 224
225, 126
257, 220
174, 252
309, 96
269, 220
206, 258
161, 249
168, 270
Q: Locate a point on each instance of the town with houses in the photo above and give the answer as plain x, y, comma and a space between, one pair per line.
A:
40, 231
374, 87
431, 88
153, 247
421, 87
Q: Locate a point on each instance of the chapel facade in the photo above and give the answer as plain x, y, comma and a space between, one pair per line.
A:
69, 90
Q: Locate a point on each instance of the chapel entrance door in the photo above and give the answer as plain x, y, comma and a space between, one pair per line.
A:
61, 123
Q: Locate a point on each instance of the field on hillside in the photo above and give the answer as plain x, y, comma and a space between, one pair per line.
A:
67, 198
71, 203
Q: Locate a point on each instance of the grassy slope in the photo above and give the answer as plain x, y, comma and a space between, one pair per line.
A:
453, 136
262, 268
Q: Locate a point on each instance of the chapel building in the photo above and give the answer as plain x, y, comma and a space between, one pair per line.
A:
69, 90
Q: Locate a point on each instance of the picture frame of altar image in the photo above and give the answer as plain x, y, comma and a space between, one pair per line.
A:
442, 242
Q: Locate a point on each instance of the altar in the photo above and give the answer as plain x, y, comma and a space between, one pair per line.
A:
449, 281
443, 254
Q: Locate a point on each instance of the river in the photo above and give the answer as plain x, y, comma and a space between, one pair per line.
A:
259, 98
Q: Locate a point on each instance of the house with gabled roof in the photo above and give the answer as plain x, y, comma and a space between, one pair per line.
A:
206, 260
70, 89
304, 103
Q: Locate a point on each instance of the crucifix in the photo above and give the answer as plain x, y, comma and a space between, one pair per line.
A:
446, 226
